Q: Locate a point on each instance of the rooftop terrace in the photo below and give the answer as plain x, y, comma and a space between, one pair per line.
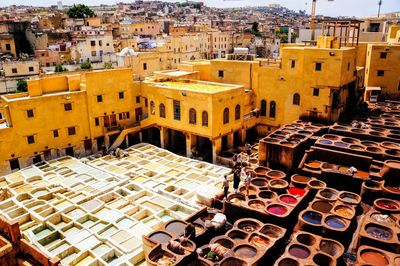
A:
196, 86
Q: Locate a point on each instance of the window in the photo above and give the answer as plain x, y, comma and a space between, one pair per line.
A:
67, 106
296, 99
293, 63
348, 66
121, 94
96, 122
162, 110
93, 53
152, 108
398, 88
31, 139
92, 43
192, 116
318, 66
30, 69
177, 110
55, 133
8, 47
226, 116
99, 98
29, 113
237, 112
144, 66
263, 108
204, 118
315, 92
14, 70
146, 103
137, 99
220, 73
272, 109
120, 116
383, 55
71, 131
380, 73
14, 164
100, 43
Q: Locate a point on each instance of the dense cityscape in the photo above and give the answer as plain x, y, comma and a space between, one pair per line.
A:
161, 133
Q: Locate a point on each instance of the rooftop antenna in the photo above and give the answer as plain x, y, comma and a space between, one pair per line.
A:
379, 7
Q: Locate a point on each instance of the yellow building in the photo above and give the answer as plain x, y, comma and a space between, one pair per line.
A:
71, 114
383, 69
21, 68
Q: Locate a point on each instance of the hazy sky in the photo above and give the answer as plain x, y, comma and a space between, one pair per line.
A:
324, 7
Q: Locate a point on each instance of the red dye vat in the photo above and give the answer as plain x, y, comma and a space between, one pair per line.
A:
385, 204
277, 209
299, 192
288, 200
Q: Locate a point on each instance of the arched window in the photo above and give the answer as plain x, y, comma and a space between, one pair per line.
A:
272, 109
162, 110
152, 108
226, 116
296, 99
192, 116
263, 108
204, 117
237, 112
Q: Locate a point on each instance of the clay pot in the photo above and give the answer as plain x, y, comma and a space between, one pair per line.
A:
275, 174
278, 185
350, 198
329, 194
330, 137
315, 184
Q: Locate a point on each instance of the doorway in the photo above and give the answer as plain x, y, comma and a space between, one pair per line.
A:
69, 151
37, 159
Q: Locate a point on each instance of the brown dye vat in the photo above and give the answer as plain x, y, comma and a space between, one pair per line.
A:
245, 251
306, 239
376, 133
316, 184
331, 247
328, 166
231, 261
358, 131
274, 174
390, 145
357, 147
237, 235
374, 257
393, 152
259, 182
300, 180
349, 140
369, 143
374, 149
160, 237
322, 206
322, 259
267, 194
252, 190
271, 231
305, 132
299, 251
396, 132
330, 137
225, 243
176, 227
343, 169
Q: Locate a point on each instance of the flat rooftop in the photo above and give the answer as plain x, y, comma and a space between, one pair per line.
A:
195, 86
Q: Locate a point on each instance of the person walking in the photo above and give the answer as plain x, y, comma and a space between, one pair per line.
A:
248, 148
226, 187
236, 178
247, 182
